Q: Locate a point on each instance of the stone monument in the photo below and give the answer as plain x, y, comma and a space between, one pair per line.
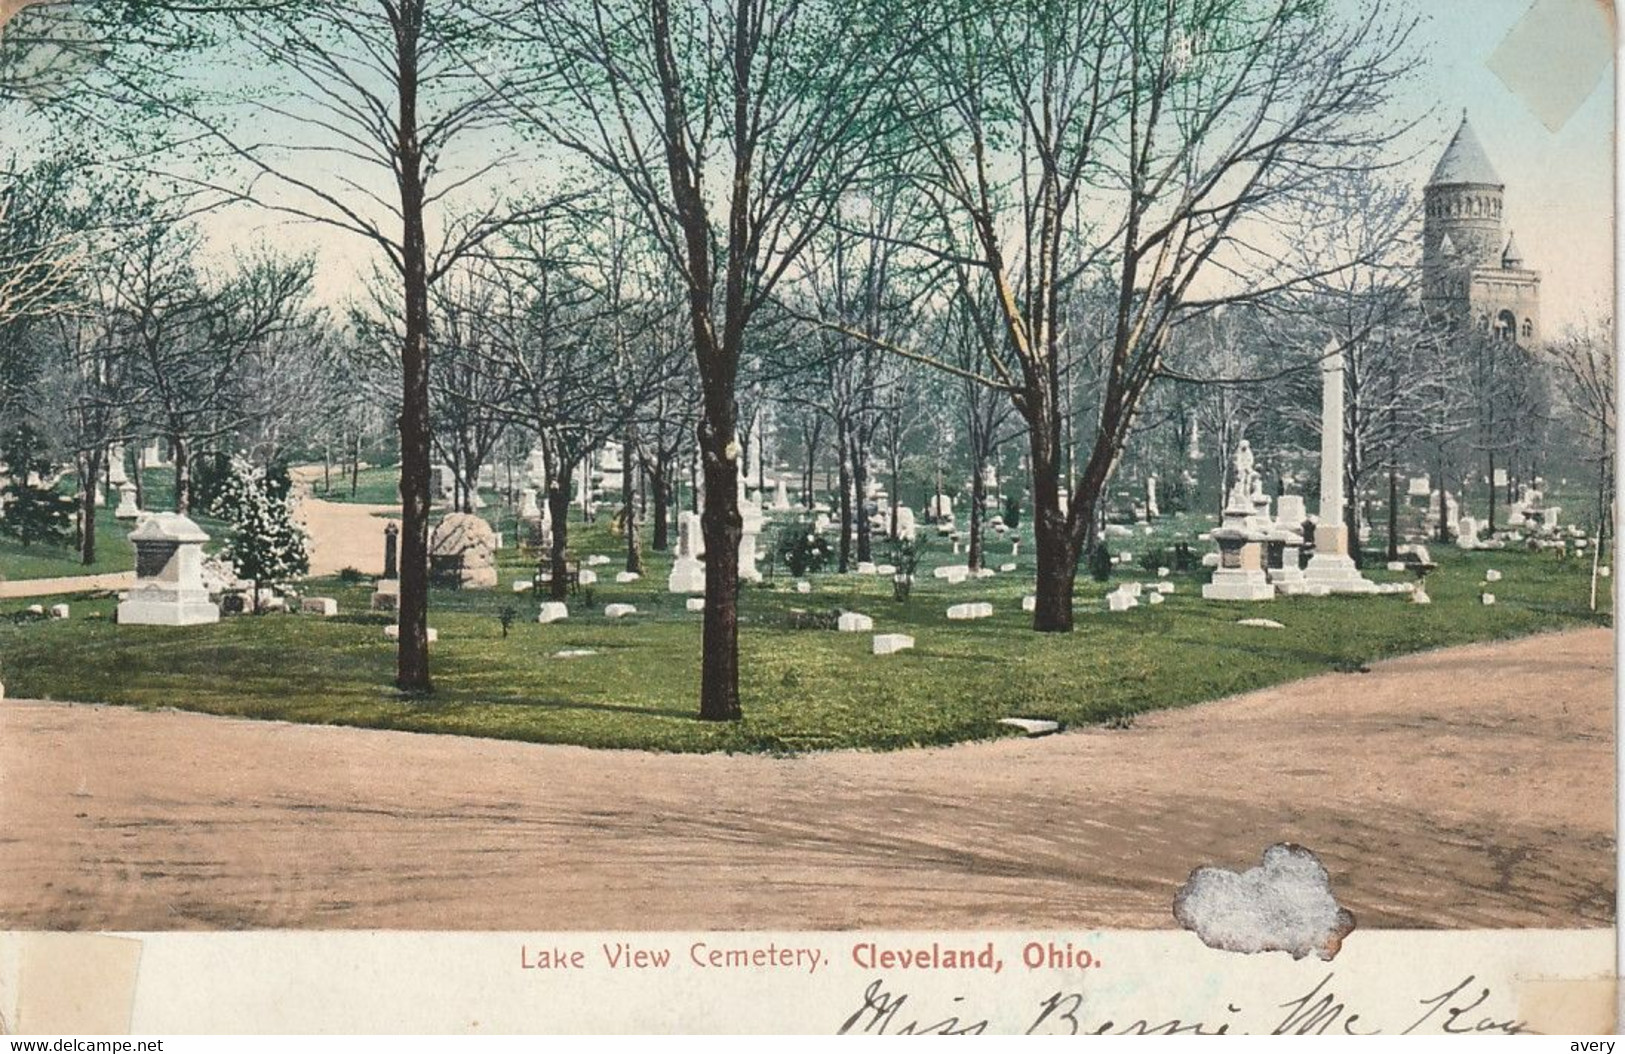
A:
1241, 538
462, 552
687, 573
127, 508
169, 589
1285, 545
1331, 568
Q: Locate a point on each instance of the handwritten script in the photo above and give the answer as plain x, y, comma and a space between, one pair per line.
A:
1464, 1008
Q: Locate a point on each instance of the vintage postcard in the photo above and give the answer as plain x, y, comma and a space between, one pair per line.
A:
807, 516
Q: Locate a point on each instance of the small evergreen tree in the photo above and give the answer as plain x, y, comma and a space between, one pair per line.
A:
33, 512
267, 545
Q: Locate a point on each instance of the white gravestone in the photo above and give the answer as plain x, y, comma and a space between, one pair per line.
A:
169, 588
687, 573
127, 507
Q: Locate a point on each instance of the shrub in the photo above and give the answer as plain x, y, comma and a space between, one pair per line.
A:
1100, 563
1012, 511
267, 545
803, 550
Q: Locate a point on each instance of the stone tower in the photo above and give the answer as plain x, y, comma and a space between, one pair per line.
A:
1472, 272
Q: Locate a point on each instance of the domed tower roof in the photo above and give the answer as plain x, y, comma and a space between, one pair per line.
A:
1511, 258
1464, 161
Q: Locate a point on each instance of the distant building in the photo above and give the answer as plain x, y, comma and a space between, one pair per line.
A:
1472, 273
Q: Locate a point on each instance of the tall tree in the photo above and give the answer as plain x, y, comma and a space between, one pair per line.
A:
362, 116
1135, 147
735, 126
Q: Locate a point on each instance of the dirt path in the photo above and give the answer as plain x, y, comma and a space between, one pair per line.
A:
1471, 787
345, 535
45, 587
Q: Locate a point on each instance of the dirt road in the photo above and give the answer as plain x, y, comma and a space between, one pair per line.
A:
345, 535
45, 587
1471, 787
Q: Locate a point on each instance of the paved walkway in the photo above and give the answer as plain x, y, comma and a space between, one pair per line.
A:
1472, 787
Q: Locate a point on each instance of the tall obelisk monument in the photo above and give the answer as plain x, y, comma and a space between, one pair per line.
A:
1331, 568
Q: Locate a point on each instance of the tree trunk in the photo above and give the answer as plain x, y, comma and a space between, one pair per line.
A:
978, 494
412, 657
630, 520
558, 504
1393, 514
87, 507
1491, 524
183, 475
661, 493
140, 472
1444, 527
1054, 548
846, 504
896, 493
860, 495
722, 527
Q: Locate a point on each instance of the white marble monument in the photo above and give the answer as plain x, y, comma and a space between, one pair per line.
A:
1332, 568
169, 589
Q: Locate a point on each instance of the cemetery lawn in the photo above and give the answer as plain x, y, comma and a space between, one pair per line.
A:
803, 689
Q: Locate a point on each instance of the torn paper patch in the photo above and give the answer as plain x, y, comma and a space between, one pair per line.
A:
1285, 904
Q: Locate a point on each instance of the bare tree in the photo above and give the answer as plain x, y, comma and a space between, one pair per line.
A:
379, 127
1137, 147
1585, 365
736, 126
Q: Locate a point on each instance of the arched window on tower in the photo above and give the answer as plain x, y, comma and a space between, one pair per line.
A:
1528, 329
1506, 326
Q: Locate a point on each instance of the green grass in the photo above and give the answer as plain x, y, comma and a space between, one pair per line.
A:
374, 486
802, 689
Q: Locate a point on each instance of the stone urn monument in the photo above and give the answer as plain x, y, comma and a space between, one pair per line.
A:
169, 589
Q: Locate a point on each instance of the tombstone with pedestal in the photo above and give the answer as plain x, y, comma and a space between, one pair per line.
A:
687, 573
386, 592
1467, 533
169, 589
1285, 547
750, 514
127, 508
1240, 573
907, 527
781, 497
115, 466
528, 508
